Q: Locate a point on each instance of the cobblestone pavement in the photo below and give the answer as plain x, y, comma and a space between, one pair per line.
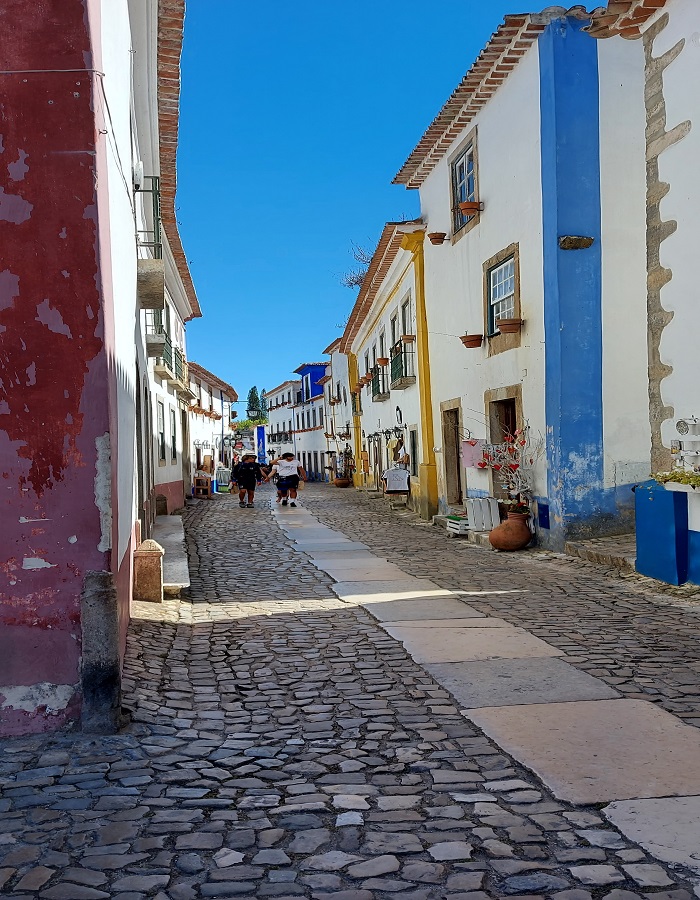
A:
283, 745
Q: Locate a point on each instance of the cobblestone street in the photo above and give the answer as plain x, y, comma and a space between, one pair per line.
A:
283, 744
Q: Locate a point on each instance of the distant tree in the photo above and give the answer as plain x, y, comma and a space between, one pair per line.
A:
253, 408
263, 405
354, 277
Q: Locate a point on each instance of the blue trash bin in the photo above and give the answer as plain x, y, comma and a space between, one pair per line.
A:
662, 533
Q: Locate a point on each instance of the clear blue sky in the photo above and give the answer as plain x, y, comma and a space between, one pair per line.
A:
295, 118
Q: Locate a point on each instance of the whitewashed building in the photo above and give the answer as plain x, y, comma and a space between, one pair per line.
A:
310, 421
542, 144
666, 34
211, 423
386, 343
280, 418
340, 422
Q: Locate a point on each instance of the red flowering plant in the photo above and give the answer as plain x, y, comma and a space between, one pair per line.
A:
513, 463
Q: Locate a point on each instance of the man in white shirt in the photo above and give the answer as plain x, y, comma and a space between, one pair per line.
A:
289, 472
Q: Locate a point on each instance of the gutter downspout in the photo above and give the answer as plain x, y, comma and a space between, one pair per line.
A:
427, 470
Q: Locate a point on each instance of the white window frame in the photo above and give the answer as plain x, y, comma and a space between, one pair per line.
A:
501, 288
464, 187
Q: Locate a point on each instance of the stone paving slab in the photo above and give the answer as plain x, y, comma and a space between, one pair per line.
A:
510, 682
598, 751
448, 623
363, 570
669, 828
465, 642
420, 609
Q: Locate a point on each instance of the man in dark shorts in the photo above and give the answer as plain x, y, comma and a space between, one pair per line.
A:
289, 472
247, 474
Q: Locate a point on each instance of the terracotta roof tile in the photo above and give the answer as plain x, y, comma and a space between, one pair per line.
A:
205, 375
623, 17
171, 16
382, 259
496, 61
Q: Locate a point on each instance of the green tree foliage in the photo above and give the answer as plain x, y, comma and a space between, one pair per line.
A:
253, 407
263, 405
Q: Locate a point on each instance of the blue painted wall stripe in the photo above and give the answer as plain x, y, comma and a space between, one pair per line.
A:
570, 133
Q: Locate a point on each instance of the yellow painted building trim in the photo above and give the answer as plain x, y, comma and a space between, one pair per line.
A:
428, 470
353, 378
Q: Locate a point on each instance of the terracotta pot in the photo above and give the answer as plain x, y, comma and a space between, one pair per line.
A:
513, 534
383, 361
472, 340
408, 338
437, 237
509, 326
341, 482
470, 207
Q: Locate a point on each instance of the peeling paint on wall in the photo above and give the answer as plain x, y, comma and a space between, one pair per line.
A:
36, 562
14, 208
50, 697
103, 490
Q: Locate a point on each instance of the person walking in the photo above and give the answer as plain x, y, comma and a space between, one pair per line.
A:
289, 473
247, 474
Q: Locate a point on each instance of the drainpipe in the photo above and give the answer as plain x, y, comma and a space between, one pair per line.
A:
428, 469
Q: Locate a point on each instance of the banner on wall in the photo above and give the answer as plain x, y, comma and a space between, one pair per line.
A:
260, 443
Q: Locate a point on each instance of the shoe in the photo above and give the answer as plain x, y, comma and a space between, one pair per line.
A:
284, 502
251, 505
242, 505
293, 504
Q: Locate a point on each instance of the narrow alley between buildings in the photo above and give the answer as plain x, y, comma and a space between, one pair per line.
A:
349, 705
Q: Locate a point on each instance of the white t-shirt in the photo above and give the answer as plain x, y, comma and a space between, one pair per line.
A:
396, 479
285, 468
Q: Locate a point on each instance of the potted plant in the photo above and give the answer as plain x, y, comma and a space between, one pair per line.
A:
470, 207
408, 338
472, 340
437, 237
509, 326
383, 361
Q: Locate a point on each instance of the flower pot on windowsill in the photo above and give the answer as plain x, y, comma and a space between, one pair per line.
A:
437, 237
509, 326
383, 361
470, 207
408, 338
472, 340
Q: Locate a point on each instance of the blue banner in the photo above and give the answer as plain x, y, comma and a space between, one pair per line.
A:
260, 444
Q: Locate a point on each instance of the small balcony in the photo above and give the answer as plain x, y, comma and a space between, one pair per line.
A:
380, 384
180, 379
356, 405
403, 368
164, 364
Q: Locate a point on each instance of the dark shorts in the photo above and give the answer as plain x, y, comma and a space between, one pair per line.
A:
291, 482
247, 485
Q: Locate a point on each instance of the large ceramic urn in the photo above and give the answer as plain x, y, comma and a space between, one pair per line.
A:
513, 534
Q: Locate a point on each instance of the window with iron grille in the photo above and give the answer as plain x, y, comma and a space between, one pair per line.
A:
501, 296
463, 185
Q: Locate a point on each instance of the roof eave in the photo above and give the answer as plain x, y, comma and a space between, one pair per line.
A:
171, 17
